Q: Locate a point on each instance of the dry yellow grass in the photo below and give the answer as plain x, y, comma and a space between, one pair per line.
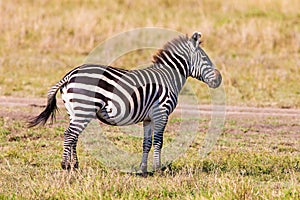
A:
256, 44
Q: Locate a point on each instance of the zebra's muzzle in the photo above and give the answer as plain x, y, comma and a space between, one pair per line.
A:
216, 81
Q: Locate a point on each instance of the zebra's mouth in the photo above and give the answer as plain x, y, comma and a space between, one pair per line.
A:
215, 81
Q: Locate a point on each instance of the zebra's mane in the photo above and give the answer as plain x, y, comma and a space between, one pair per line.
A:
168, 47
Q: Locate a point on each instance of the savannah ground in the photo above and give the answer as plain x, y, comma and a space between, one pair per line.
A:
256, 46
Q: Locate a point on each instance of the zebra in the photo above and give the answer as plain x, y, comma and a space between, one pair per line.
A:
123, 97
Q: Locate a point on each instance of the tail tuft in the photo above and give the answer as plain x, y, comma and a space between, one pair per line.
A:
42, 118
51, 107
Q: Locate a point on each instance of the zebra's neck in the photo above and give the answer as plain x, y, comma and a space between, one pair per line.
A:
170, 76
174, 64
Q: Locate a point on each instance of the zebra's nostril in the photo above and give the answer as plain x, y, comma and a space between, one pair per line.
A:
216, 81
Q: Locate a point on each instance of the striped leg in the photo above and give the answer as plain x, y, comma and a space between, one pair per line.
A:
147, 143
159, 127
69, 158
74, 158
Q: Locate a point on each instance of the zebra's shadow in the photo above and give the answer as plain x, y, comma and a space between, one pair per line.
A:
166, 169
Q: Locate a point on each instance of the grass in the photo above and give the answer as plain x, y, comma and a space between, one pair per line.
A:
255, 44
253, 159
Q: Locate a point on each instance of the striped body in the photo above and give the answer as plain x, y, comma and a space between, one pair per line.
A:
123, 97
116, 96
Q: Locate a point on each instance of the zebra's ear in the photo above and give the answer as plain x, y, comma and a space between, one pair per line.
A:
196, 39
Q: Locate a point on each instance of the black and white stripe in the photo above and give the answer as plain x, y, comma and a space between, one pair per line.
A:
123, 97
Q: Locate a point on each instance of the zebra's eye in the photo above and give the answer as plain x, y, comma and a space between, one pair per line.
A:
195, 37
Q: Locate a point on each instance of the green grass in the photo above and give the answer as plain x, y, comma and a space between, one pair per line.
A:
260, 163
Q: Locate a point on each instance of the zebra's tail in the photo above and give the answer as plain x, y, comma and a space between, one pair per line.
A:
51, 107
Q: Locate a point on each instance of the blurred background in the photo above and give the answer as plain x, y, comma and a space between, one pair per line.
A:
255, 44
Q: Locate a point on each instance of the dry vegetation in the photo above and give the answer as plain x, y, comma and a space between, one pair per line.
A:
255, 44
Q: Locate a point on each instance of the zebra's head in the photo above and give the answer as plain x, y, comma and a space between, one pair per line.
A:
201, 66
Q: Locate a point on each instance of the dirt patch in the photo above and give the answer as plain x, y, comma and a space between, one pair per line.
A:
249, 119
14, 114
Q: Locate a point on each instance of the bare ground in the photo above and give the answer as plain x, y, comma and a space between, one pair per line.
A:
39, 103
252, 119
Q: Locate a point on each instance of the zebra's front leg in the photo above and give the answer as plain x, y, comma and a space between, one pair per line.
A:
74, 158
159, 127
147, 143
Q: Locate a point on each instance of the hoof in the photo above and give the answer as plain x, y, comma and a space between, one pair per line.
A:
67, 166
146, 174
143, 168
142, 174
76, 165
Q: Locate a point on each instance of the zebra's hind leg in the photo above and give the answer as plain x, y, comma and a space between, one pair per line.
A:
147, 143
69, 158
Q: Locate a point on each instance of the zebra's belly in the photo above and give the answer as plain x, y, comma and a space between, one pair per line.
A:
119, 114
